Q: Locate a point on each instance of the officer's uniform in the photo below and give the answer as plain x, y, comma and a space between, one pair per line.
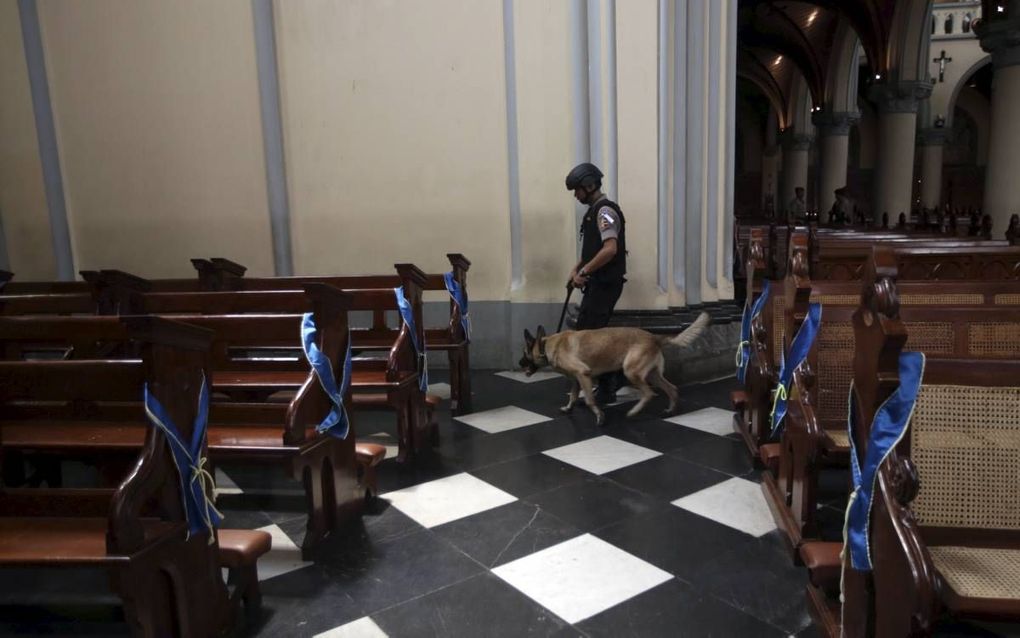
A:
604, 220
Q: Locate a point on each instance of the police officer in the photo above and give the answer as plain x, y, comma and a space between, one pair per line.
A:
600, 272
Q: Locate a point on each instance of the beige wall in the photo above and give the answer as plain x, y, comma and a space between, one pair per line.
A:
637, 117
22, 194
157, 116
395, 136
545, 125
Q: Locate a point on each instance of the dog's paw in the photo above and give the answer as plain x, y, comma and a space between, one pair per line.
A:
600, 419
566, 409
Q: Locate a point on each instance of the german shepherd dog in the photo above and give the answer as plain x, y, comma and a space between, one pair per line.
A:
588, 353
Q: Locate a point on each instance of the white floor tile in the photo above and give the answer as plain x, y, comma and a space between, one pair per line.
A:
711, 420
284, 557
361, 628
225, 484
541, 375
737, 503
502, 419
441, 390
582, 577
602, 454
448, 499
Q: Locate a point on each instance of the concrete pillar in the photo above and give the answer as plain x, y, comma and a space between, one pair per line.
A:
897, 122
834, 145
1001, 37
795, 165
931, 141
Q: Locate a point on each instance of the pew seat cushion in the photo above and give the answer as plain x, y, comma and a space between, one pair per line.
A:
240, 547
979, 580
769, 454
370, 454
823, 563
65, 541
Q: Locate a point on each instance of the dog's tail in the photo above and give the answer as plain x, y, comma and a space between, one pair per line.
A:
691, 333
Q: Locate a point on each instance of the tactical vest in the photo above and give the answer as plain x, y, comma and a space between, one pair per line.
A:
591, 243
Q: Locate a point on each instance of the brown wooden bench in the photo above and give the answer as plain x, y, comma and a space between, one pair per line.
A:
212, 274
243, 425
944, 532
997, 288
169, 582
450, 338
942, 325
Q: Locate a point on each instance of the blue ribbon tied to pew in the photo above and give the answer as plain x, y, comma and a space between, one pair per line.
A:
799, 349
887, 430
196, 482
460, 298
751, 311
407, 314
336, 424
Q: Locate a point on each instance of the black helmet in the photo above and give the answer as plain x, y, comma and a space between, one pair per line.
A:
584, 175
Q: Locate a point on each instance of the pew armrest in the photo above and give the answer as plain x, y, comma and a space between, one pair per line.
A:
907, 588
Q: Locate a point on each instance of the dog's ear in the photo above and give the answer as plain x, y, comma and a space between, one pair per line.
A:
541, 332
528, 339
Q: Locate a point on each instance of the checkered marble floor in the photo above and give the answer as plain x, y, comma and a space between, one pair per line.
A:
527, 522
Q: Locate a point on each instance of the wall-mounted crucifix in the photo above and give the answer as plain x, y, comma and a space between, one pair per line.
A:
942, 65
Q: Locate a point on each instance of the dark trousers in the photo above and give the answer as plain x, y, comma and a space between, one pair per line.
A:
596, 308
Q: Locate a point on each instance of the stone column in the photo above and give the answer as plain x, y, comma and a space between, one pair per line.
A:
1001, 38
931, 141
795, 165
894, 171
834, 146
771, 161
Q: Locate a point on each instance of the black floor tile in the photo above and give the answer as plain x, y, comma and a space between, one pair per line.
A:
719, 453
471, 453
759, 577
303, 603
383, 522
506, 533
675, 540
530, 474
379, 575
667, 477
675, 608
483, 605
594, 503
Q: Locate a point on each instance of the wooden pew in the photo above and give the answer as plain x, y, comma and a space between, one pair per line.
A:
941, 324
944, 532
213, 274
378, 384
450, 338
240, 429
997, 284
169, 582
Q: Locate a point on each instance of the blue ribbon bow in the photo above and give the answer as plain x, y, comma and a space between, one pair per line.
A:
196, 481
887, 430
751, 311
799, 349
460, 298
407, 314
336, 423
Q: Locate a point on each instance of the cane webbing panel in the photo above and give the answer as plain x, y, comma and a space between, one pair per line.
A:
778, 319
1007, 299
840, 437
965, 442
930, 337
995, 340
961, 299
835, 368
976, 572
837, 300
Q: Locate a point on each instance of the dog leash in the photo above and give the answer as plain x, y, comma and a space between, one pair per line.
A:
563, 313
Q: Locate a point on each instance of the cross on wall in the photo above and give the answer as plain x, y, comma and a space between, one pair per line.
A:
942, 60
